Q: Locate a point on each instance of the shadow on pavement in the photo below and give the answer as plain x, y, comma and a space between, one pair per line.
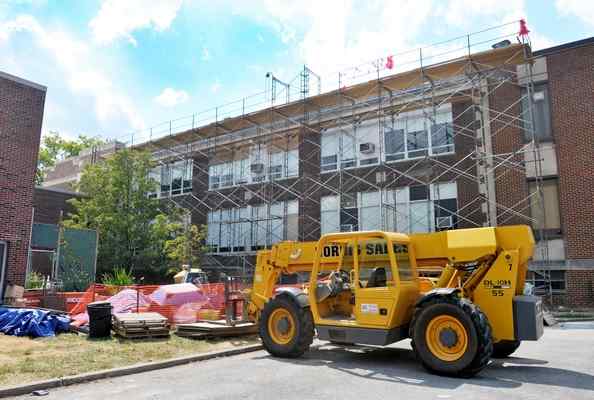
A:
399, 365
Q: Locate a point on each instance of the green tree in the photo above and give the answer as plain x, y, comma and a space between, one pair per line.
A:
55, 148
185, 248
133, 229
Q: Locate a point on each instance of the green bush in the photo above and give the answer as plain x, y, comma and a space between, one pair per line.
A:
34, 280
119, 277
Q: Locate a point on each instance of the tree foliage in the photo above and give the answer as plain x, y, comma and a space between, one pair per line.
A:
186, 247
136, 232
55, 148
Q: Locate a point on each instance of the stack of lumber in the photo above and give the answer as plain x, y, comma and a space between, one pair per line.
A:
140, 325
215, 329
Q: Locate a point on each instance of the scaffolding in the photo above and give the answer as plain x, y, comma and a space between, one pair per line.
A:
486, 76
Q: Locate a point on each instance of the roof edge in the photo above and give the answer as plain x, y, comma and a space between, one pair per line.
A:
22, 81
564, 46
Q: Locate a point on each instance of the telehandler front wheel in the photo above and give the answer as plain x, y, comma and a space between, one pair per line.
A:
286, 328
451, 336
505, 348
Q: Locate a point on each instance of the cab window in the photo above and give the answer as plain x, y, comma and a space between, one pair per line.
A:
405, 272
374, 264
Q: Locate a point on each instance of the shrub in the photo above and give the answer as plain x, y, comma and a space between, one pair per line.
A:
119, 277
34, 280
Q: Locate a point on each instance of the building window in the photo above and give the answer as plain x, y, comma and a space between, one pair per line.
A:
417, 143
329, 157
188, 176
241, 171
413, 209
277, 164
292, 163
442, 133
349, 214
545, 213
547, 281
259, 167
155, 177
165, 180
370, 211
172, 179
329, 219
418, 133
348, 147
394, 140
253, 227
421, 208
177, 177
540, 112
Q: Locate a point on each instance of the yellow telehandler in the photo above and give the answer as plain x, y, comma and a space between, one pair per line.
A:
364, 288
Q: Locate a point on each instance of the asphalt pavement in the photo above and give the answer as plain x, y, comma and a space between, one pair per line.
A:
559, 366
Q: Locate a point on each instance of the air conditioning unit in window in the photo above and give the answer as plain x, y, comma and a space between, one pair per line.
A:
257, 168
445, 222
367, 148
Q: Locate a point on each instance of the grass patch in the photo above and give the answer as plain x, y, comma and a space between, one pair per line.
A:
25, 360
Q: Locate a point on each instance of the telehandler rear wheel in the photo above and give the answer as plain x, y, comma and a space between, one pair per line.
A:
505, 348
451, 336
286, 328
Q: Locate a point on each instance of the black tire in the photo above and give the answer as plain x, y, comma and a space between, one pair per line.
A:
505, 348
478, 331
304, 327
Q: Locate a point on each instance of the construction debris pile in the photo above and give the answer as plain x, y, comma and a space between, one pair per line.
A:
177, 303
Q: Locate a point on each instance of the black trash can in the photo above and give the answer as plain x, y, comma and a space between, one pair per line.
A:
99, 319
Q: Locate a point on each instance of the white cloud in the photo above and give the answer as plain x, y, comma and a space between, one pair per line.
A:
215, 87
331, 35
119, 18
206, 54
464, 13
582, 9
73, 72
170, 97
540, 41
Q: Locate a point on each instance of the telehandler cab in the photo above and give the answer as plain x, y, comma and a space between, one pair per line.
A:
365, 288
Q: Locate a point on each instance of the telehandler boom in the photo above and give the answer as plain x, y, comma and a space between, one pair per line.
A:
364, 287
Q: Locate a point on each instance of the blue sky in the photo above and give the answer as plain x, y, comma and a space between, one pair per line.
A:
117, 66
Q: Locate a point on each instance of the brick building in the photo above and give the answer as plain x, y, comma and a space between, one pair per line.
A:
567, 83
490, 137
52, 204
21, 114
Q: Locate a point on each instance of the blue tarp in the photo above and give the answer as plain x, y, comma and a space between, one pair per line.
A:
30, 322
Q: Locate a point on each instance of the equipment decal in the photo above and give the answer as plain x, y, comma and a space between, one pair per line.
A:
369, 308
497, 287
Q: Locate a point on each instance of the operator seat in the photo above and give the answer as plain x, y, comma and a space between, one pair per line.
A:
377, 278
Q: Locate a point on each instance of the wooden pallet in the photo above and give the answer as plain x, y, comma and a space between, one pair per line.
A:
140, 325
143, 335
214, 329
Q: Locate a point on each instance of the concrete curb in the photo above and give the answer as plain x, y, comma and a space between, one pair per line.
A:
129, 370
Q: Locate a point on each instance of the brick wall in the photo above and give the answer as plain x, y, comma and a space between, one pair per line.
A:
21, 114
50, 203
579, 289
510, 184
571, 90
